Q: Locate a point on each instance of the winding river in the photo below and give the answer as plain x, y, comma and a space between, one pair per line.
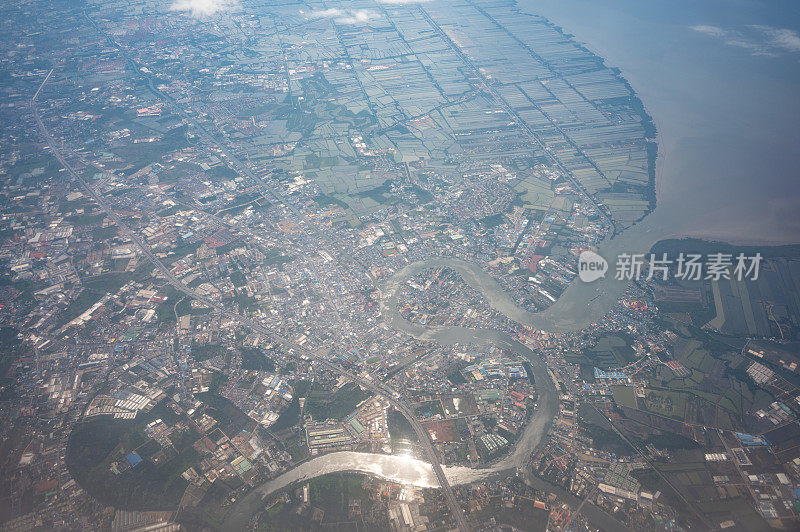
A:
579, 306
407, 469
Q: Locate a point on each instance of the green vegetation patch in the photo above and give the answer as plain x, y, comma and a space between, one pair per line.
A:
335, 406
230, 418
256, 359
612, 350
624, 396
184, 308
78, 306
202, 352
666, 403
143, 153
94, 445
429, 409
493, 221
324, 200
11, 347
329, 495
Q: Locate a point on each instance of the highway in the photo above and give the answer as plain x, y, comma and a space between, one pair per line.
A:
290, 346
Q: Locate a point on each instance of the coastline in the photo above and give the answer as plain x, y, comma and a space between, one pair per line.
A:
725, 161
652, 142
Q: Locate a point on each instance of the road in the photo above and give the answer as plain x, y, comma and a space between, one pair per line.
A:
687, 504
290, 346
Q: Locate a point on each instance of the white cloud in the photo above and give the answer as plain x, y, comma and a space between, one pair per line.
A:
327, 13
203, 8
346, 16
714, 31
781, 37
758, 40
403, 1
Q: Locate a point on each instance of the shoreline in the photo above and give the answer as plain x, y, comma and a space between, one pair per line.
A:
685, 115
652, 132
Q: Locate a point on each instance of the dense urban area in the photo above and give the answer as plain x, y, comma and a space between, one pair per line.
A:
250, 265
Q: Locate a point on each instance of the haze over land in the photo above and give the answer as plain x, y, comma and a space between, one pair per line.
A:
366, 264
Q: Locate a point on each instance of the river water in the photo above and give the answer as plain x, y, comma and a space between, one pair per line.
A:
579, 306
